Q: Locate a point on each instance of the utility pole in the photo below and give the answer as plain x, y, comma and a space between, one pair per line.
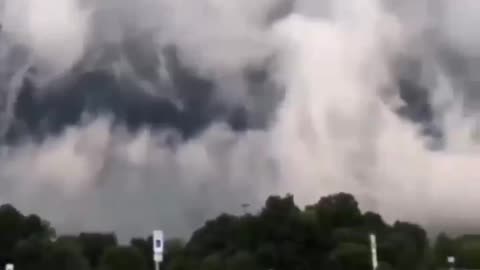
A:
373, 249
157, 248
451, 262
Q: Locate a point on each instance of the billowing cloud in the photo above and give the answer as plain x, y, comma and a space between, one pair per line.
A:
329, 96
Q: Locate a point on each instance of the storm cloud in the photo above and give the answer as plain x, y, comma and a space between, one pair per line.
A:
128, 116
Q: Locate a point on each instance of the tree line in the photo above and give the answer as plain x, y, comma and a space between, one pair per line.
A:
330, 234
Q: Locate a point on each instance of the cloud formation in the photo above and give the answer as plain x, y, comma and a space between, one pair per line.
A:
317, 79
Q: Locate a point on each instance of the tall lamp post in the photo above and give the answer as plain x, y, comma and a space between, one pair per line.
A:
157, 248
451, 262
373, 250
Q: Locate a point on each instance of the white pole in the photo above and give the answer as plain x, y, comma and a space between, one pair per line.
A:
451, 262
373, 249
157, 248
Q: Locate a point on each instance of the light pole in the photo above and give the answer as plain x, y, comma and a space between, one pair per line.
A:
451, 262
157, 248
373, 249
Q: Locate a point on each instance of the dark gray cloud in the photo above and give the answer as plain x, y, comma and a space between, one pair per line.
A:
163, 113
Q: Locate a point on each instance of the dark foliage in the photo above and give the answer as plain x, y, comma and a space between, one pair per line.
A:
330, 234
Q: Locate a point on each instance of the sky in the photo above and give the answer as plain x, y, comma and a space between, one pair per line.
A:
130, 116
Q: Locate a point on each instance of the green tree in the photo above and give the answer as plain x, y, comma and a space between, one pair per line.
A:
65, 255
351, 256
30, 254
94, 245
123, 258
11, 231
145, 247
444, 247
33, 225
15, 227
467, 251
215, 236
338, 210
173, 248
212, 262
373, 223
241, 260
331, 234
